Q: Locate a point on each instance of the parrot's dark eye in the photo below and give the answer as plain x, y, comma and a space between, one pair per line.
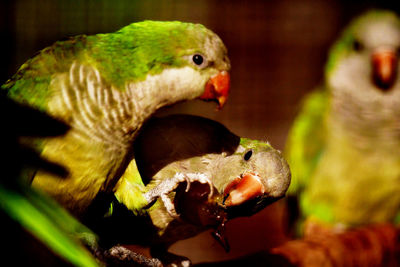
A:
198, 59
357, 46
248, 155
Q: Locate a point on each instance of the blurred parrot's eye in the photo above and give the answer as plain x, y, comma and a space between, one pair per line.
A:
198, 59
357, 46
248, 155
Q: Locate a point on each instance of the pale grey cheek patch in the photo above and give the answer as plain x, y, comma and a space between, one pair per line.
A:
240, 149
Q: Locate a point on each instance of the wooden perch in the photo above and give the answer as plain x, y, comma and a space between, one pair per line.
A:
377, 245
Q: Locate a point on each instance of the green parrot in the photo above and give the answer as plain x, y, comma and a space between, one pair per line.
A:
344, 146
214, 176
105, 86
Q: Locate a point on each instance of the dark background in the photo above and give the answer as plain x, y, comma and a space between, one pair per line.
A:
277, 50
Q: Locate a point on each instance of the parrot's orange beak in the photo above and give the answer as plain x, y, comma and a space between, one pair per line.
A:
384, 68
242, 189
217, 88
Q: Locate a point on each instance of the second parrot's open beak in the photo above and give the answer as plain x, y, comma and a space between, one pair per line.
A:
217, 88
242, 189
384, 67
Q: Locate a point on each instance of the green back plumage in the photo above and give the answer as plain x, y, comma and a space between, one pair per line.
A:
30, 85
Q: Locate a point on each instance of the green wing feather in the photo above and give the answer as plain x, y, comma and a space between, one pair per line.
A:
305, 142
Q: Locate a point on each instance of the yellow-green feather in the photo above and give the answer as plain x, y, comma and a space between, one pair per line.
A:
130, 190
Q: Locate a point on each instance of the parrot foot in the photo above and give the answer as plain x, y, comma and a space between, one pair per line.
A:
168, 185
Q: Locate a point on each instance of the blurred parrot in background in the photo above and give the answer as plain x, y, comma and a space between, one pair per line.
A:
184, 152
104, 87
344, 146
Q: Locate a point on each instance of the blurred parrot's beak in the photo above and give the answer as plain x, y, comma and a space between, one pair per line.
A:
217, 88
384, 67
242, 189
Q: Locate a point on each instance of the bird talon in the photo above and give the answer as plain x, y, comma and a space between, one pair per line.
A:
201, 178
169, 206
188, 182
167, 186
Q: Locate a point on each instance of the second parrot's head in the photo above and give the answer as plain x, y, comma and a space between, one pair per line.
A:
367, 54
251, 178
186, 59
363, 78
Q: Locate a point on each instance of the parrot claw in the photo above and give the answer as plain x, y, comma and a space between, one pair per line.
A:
169, 185
169, 206
201, 178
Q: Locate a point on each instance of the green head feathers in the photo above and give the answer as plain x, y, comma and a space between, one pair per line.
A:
256, 145
149, 47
